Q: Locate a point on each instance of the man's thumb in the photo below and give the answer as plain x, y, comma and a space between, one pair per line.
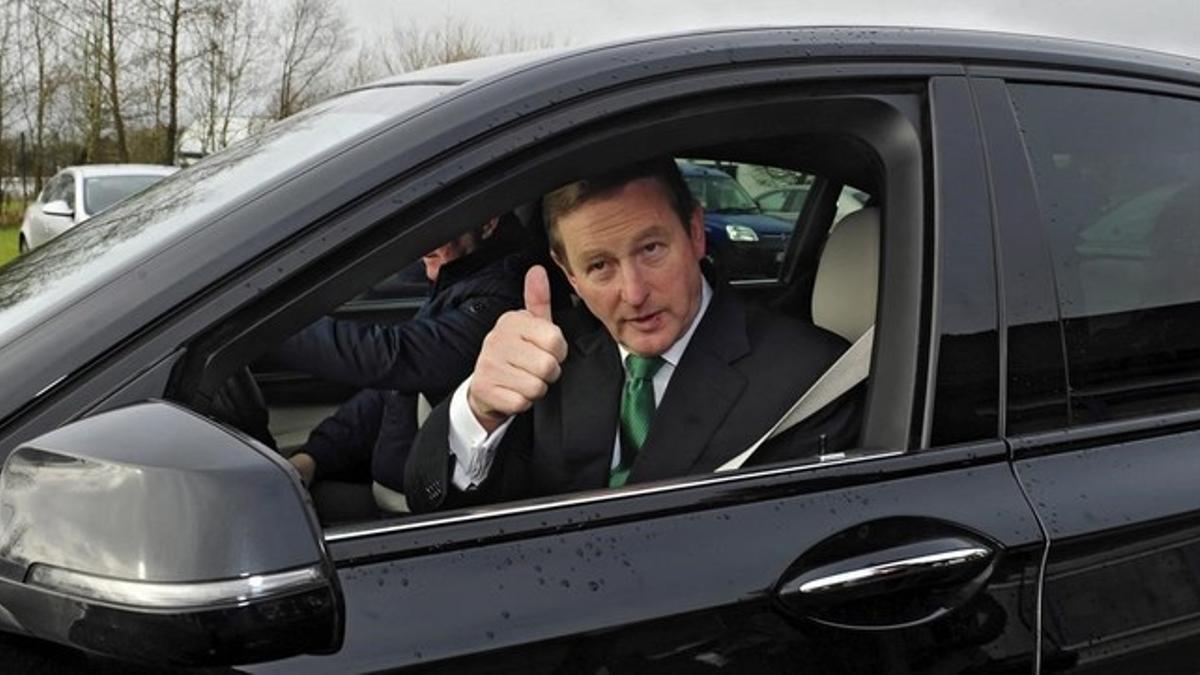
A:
537, 292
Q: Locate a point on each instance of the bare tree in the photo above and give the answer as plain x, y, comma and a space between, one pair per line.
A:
413, 46
7, 22
37, 41
312, 37
164, 21
89, 90
366, 66
229, 36
114, 92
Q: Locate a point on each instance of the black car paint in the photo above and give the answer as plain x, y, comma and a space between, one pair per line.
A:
656, 578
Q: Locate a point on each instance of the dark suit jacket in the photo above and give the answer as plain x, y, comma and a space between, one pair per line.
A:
742, 370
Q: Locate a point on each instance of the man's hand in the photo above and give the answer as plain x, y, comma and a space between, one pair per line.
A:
305, 465
520, 358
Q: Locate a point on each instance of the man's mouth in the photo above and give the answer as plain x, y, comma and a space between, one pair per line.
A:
645, 321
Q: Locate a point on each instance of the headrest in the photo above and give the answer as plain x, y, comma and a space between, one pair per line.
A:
847, 283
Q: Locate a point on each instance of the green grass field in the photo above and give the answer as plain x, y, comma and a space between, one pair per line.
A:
10, 226
8, 243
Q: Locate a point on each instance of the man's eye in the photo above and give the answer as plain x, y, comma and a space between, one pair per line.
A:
597, 265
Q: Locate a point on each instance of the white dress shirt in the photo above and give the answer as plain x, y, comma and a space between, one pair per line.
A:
474, 449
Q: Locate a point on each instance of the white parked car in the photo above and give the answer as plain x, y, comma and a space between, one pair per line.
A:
785, 202
79, 192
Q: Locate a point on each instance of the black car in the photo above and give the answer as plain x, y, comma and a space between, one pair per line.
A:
1023, 496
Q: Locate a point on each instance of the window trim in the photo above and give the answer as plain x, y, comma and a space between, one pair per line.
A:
359, 531
1032, 75
391, 226
1071, 435
903, 179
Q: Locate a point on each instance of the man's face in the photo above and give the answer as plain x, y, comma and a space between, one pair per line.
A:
451, 250
634, 264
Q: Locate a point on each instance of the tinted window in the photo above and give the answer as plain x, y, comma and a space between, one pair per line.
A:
721, 194
56, 188
772, 201
1118, 180
102, 192
68, 191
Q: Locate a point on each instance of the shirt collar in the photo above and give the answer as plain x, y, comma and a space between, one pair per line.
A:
675, 352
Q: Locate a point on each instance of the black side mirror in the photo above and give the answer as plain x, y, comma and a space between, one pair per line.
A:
153, 534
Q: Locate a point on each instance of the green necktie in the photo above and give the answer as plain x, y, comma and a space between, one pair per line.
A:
637, 409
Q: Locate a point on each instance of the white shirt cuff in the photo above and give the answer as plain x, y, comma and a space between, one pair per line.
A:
470, 444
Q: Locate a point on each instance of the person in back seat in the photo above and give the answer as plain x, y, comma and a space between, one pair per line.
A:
475, 278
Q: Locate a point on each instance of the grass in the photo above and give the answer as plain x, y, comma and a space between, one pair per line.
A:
8, 242
10, 227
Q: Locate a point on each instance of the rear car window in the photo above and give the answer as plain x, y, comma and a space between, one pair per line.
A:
103, 191
1118, 181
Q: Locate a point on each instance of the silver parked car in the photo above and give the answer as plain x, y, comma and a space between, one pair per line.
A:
786, 202
79, 192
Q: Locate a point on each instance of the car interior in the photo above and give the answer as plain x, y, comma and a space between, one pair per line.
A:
829, 273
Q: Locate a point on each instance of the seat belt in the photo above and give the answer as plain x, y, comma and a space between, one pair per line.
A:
851, 368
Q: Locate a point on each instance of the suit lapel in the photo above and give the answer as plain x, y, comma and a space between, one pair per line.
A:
591, 399
703, 389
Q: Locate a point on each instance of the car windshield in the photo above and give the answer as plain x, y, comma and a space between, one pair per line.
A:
721, 194
101, 192
68, 268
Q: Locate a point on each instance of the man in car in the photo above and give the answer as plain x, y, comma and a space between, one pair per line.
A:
475, 278
678, 377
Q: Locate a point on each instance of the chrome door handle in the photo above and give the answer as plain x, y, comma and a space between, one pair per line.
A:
910, 566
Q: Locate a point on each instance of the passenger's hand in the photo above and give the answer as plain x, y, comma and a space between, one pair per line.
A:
520, 359
305, 465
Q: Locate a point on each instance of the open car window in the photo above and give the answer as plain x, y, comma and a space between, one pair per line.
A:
775, 274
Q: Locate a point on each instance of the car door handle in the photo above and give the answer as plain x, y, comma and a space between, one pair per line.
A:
902, 569
904, 584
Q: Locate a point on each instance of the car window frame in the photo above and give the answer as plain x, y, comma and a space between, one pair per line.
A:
280, 272
1063, 436
688, 487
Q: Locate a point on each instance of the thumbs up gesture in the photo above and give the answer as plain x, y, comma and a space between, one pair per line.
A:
521, 357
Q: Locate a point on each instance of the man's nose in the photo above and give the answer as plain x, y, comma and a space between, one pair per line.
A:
633, 284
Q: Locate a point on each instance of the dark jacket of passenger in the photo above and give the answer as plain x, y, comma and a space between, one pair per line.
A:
429, 354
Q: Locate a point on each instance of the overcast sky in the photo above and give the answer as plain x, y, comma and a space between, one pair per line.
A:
1165, 25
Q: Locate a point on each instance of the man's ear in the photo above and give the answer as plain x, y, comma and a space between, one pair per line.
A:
696, 232
489, 227
566, 269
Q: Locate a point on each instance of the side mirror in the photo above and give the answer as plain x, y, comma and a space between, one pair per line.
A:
58, 208
151, 533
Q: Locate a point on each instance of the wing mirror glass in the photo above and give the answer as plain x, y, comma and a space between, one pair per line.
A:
151, 533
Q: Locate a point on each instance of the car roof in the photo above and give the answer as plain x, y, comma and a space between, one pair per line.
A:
461, 72
95, 170
843, 42
505, 88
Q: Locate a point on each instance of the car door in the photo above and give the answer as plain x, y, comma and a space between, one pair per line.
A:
914, 550
1099, 228
904, 554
